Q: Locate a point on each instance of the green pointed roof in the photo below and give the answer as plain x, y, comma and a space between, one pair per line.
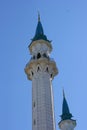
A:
65, 109
39, 34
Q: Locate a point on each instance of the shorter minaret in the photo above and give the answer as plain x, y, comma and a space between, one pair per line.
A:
66, 122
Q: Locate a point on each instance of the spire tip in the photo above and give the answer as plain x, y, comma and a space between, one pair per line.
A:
63, 93
38, 16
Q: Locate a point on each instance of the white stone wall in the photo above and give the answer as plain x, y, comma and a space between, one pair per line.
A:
42, 48
42, 102
67, 124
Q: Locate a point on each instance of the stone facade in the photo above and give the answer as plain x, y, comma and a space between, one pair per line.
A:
68, 124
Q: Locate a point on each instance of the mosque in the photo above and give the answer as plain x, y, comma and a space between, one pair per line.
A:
41, 69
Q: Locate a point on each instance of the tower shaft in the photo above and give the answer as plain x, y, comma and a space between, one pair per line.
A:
42, 102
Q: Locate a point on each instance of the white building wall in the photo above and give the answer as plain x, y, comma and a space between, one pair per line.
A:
68, 124
42, 102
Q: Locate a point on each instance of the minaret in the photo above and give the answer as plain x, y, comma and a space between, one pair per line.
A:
41, 69
66, 122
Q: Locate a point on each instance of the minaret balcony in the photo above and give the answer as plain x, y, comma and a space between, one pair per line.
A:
45, 64
40, 60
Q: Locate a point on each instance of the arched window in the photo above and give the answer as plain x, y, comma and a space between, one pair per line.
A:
33, 57
32, 73
38, 55
51, 75
44, 55
38, 68
47, 69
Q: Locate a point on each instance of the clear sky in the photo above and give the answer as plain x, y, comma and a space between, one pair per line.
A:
65, 23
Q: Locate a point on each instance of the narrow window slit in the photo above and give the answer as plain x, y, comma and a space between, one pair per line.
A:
51, 75
32, 73
38, 55
34, 104
47, 69
34, 122
38, 68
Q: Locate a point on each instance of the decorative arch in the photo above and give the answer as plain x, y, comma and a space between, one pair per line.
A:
46, 69
32, 73
38, 55
38, 68
44, 55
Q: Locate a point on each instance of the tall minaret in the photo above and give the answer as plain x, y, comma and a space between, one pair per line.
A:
66, 122
41, 69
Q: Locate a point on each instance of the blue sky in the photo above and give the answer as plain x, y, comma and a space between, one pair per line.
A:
65, 23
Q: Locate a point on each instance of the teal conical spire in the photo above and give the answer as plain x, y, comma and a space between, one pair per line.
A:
39, 29
39, 34
65, 109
